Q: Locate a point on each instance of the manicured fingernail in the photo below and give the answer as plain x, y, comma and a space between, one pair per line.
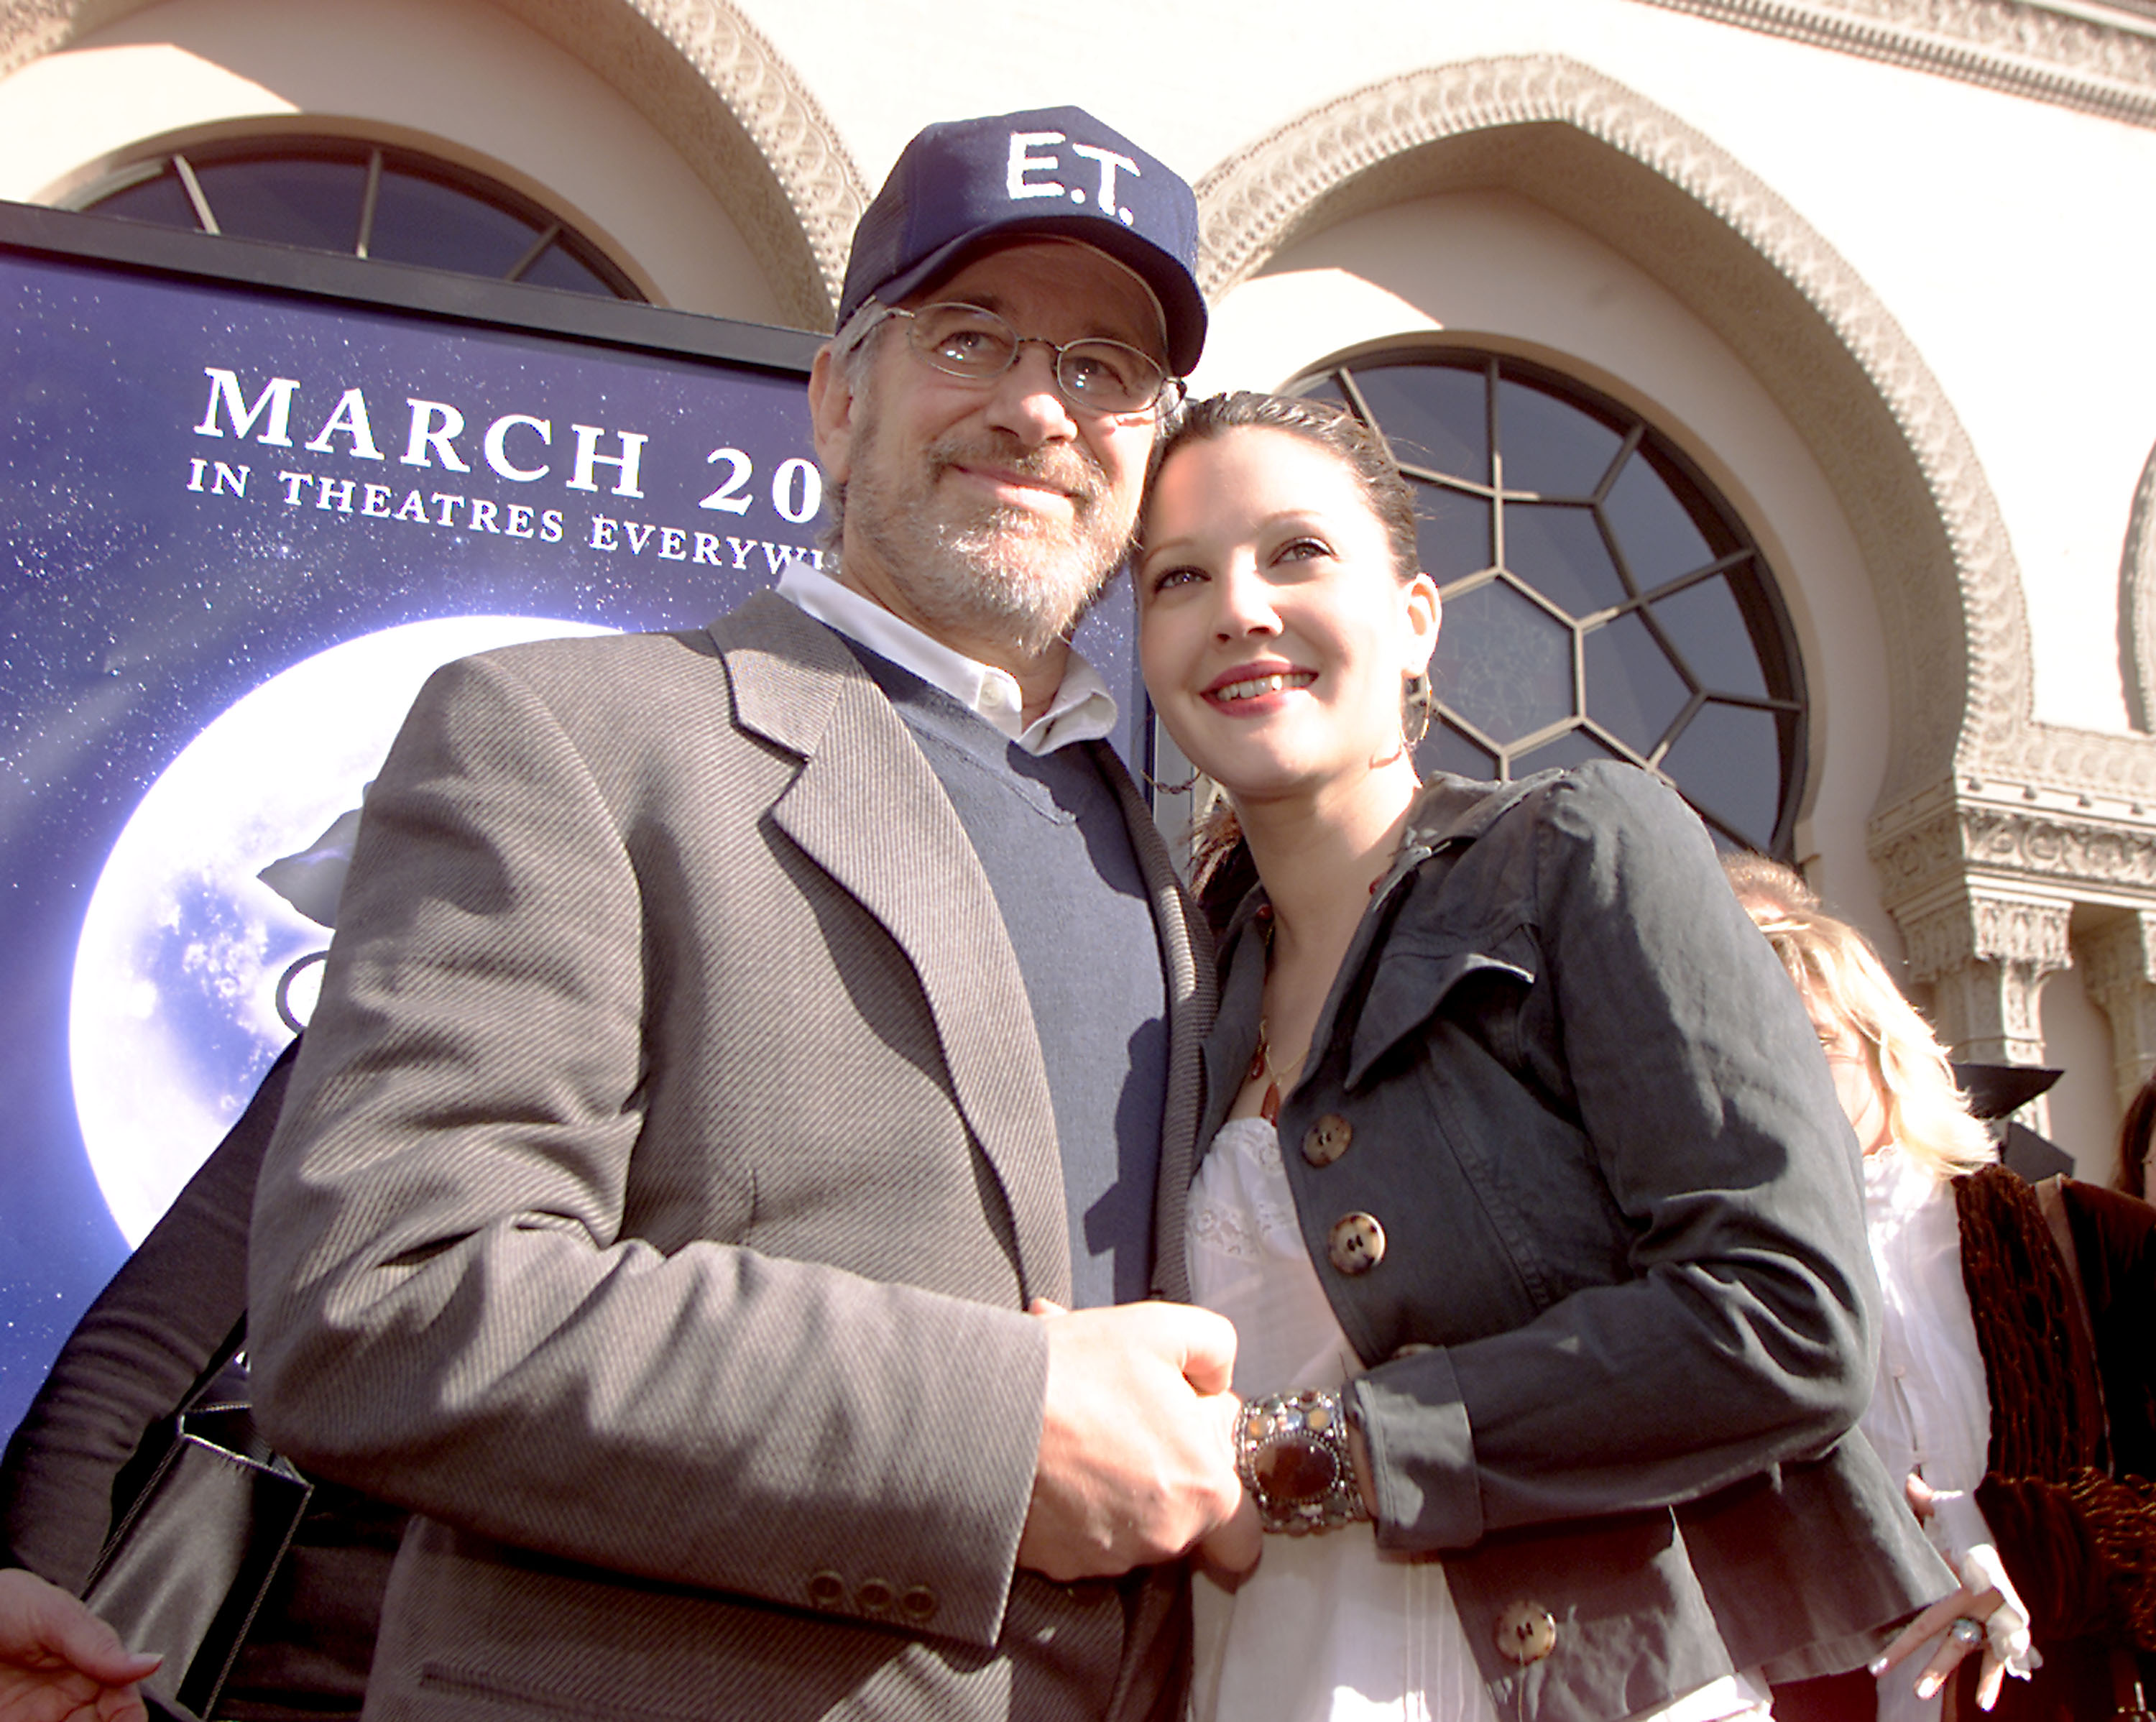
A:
1878, 1667
1928, 1685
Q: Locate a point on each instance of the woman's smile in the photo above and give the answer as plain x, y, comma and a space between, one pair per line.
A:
1243, 686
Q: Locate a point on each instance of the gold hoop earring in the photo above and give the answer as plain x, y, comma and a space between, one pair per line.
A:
1415, 703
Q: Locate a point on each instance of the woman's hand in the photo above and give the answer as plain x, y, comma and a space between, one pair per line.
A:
1986, 1597
59, 1662
1933, 1623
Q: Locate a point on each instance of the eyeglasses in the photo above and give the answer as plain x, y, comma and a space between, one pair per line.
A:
1093, 376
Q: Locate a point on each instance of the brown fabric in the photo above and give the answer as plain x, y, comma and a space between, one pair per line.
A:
2115, 1241
2072, 1373
2121, 1517
2039, 1366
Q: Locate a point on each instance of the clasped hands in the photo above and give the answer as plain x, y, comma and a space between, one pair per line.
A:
1136, 1462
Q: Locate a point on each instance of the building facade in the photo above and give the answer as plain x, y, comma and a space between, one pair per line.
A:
1817, 331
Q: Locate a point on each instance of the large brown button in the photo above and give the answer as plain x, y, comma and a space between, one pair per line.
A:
918, 1605
1327, 1139
1526, 1632
874, 1596
1356, 1243
826, 1589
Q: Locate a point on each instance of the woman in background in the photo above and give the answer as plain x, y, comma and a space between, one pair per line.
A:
2015, 1319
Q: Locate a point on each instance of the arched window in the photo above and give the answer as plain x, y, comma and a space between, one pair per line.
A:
362, 199
1601, 600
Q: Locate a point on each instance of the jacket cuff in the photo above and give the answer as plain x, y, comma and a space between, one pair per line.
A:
1422, 1453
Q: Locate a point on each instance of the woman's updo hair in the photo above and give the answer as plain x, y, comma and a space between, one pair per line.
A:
1221, 869
1331, 428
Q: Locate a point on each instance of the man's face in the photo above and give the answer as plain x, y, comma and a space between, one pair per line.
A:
989, 515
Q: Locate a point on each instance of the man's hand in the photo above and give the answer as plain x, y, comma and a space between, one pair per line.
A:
59, 1662
1136, 1444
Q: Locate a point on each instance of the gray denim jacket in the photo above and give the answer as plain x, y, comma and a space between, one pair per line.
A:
1621, 1319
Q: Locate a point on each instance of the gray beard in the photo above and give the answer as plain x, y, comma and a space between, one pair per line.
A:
1004, 575
995, 579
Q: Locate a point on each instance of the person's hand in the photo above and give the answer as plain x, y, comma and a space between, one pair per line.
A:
59, 1662
1933, 1623
1231, 1550
1137, 1457
1985, 1597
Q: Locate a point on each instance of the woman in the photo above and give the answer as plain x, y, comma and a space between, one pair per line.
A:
2014, 1320
1538, 1250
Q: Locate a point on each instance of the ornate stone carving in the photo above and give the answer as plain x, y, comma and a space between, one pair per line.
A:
1983, 878
32, 27
2030, 50
2117, 963
2136, 602
798, 145
2097, 857
1987, 929
1986, 956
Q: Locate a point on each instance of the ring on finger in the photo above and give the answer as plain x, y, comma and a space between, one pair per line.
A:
1966, 1632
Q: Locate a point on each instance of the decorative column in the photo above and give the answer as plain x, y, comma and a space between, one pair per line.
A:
1985, 955
2117, 963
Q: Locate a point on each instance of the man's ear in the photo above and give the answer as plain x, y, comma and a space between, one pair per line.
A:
831, 415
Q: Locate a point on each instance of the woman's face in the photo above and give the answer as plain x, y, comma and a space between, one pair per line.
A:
1855, 1067
1274, 629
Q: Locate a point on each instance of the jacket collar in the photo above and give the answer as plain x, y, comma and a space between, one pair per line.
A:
1450, 812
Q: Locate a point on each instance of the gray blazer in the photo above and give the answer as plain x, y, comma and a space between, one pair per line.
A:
667, 1167
1621, 1316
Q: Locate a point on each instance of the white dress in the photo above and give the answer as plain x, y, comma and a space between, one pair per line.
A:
1328, 1626
1931, 1411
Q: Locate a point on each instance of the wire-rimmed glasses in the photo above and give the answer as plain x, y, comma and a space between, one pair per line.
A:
1095, 375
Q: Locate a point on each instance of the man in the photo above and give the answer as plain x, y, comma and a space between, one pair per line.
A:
739, 1046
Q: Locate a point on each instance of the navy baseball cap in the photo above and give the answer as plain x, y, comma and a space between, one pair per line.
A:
964, 185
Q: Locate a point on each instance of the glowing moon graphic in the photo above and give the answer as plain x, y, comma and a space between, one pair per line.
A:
173, 1018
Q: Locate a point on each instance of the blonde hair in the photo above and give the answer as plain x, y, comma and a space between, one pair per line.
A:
1835, 968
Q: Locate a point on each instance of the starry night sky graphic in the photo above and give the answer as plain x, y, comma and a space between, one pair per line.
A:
135, 610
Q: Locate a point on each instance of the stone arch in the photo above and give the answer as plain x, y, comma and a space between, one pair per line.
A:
764, 146
2136, 604
1682, 208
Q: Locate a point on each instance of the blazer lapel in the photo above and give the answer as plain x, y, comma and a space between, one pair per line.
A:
1186, 950
867, 808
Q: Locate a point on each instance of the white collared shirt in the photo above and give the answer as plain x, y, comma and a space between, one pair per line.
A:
1083, 709
1931, 1411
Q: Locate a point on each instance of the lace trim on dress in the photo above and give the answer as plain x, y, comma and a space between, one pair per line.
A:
1230, 1222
